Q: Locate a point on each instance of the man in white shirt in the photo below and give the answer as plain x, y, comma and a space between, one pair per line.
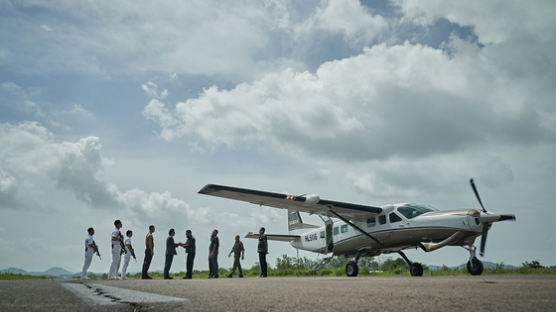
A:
117, 239
129, 252
90, 249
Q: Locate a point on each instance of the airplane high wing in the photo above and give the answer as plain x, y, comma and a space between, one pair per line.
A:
310, 204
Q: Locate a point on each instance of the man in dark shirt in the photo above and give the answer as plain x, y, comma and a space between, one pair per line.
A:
238, 251
190, 250
213, 255
149, 251
170, 253
262, 249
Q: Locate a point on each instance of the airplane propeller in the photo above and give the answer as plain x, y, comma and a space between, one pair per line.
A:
488, 219
477, 194
486, 225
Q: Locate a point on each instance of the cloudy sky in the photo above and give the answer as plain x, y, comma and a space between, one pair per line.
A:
126, 109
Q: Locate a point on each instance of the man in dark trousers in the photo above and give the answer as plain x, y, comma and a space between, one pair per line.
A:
238, 251
190, 250
170, 253
149, 252
213, 255
262, 249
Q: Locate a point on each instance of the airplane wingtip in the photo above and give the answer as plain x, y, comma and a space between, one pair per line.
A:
206, 189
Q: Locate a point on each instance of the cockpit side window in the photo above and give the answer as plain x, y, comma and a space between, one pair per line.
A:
382, 219
394, 218
411, 210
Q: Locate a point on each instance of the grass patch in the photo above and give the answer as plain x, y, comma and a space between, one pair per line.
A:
340, 272
11, 276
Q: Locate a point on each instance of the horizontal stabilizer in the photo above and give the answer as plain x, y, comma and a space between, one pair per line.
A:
275, 237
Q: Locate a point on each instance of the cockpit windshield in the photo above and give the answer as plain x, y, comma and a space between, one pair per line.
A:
413, 210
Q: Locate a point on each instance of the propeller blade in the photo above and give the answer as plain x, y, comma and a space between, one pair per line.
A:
486, 227
477, 194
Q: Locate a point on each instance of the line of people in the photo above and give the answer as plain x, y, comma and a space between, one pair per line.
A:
122, 246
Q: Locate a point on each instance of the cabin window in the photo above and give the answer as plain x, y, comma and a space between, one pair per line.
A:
344, 228
336, 231
322, 235
371, 222
382, 219
394, 218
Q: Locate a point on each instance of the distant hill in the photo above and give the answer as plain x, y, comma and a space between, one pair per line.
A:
54, 272
14, 271
486, 265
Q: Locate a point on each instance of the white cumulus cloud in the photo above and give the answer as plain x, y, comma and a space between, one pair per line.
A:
151, 89
348, 18
32, 161
390, 100
30, 153
493, 21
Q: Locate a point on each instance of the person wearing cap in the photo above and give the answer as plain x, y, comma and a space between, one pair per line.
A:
238, 251
90, 249
116, 242
130, 252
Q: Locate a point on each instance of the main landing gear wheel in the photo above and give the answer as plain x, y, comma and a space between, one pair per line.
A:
351, 268
416, 269
475, 266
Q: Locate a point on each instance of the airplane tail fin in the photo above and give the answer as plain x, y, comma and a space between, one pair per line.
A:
295, 222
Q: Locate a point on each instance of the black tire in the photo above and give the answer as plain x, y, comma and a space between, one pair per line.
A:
352, 269
475, 267
416, 269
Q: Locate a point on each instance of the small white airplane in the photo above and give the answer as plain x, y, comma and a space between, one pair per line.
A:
368, 231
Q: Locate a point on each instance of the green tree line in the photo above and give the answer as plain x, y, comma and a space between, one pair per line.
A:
292, 266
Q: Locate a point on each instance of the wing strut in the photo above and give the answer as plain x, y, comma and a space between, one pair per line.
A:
354, 226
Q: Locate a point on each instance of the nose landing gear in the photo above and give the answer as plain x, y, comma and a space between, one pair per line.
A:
474, 265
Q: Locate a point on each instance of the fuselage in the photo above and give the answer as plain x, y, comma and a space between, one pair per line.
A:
398, 227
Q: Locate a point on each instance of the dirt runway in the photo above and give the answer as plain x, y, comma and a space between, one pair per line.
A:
462, 293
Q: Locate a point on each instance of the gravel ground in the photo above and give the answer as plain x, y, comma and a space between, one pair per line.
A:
467, 293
